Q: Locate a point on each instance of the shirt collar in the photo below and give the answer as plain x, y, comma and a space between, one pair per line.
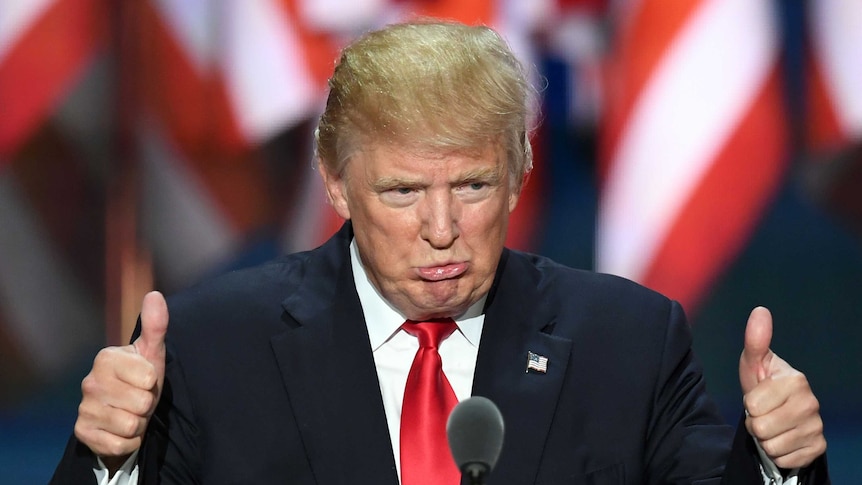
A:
384, 320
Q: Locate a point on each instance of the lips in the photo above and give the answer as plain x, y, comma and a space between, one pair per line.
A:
442, 272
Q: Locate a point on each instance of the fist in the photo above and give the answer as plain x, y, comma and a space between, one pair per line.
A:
782, 412
123, 388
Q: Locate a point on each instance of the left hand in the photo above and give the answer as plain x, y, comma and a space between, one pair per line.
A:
783, 414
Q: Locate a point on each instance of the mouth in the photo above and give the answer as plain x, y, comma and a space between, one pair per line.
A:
442, 272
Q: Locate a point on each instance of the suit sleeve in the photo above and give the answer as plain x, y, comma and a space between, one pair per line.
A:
76, 466
687, 441
169, 454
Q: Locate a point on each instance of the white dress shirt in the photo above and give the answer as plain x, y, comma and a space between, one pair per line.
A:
394, 350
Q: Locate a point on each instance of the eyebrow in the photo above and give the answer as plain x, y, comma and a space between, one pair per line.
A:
387, 183
489, 175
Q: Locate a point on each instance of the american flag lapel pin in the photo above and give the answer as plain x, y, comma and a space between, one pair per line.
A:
536, 363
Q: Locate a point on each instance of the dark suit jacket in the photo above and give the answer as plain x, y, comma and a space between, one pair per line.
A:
270, 379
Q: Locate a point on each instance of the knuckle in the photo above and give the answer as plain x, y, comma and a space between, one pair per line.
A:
82, 432
784, 462
116, 446
770, 447
759, 427
812, 405
752, 405
149, 378
821, 446
145, 403
103, 357
754, 410
749, 427
816, 440
799, 380
128, 426
819, 427
83, 410
748, 403
88, 412
89, 385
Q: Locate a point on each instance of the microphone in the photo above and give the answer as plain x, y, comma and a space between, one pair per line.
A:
475, 431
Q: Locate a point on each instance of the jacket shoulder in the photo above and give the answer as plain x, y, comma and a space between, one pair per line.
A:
586, 289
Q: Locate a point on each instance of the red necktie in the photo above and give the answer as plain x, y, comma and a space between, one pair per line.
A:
428, 400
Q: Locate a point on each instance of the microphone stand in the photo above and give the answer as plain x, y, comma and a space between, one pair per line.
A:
475, 473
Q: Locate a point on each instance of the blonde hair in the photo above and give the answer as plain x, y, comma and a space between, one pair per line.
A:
424, 85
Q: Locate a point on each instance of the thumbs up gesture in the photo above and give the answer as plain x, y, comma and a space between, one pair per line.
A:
121, 391
783, 414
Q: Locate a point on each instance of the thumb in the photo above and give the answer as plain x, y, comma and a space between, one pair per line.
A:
154, 325
756, 356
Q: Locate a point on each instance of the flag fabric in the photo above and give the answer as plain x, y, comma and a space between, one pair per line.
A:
693, 139
835, 74
49, 313
45, 45
51, 275
833, 109
219, 79
258, 68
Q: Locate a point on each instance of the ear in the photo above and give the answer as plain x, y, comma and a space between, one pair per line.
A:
513, 201
515, 193
336, 190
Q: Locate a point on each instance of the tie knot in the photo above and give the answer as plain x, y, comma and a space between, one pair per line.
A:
430, 333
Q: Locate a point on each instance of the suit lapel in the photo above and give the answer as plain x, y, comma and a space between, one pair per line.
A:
328, 371
517, 323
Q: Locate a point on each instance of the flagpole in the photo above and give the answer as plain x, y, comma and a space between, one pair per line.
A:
128, 267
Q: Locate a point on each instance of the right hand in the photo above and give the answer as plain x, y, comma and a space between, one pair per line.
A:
123, 388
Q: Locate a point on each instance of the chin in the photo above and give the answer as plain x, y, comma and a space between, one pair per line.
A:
427, 310
443, 294
452, 308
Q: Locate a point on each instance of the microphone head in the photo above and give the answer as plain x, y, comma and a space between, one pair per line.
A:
475, 430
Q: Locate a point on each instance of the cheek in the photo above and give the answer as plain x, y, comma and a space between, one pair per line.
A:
488, 216
485, 231
392, 234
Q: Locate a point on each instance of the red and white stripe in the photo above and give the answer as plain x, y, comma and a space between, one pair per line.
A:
219, 78
47, 312
255, 49
836, 99
44, 47
693, 144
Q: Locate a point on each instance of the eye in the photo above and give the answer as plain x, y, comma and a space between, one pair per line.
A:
399, 196
474, 191
474, 186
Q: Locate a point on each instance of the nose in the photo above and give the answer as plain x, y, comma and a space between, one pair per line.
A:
440, 219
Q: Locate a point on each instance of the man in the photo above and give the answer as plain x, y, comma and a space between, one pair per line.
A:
304, 370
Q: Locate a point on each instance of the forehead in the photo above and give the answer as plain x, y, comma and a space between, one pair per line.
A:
390, 159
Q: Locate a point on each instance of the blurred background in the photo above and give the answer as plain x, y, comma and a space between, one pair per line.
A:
710, 149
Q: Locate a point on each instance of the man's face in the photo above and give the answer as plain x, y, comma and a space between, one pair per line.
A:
430, 229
